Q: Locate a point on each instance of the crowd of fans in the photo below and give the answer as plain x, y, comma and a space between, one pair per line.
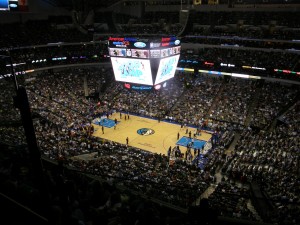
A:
233, 101
234, 42
7, 111
37, 57
38, 33
63, 128
158, 23
235, 60
231, 200
269, 159
292, 115
278, 25
76, 198
246, 24
193, 106
272, 98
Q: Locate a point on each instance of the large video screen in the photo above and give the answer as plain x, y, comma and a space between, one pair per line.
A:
132, 70
4, 5
166, 69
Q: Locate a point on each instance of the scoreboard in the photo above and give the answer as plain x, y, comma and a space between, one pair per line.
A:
142, 60
14, 5
4, 5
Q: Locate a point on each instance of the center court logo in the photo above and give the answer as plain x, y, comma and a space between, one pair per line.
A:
145, 131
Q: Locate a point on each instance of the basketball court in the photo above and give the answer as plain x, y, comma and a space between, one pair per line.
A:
147, 134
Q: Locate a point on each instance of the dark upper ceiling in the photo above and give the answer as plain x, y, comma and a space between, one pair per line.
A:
80, 4
104, 4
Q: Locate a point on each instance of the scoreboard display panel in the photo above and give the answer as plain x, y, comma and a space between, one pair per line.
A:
132, 70
4, 6
117, 52
143, 60
166, 69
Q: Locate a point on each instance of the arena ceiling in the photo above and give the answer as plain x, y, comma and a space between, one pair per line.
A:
97, 4
71, 4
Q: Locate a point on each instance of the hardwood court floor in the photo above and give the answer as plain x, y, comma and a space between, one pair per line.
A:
165, 133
